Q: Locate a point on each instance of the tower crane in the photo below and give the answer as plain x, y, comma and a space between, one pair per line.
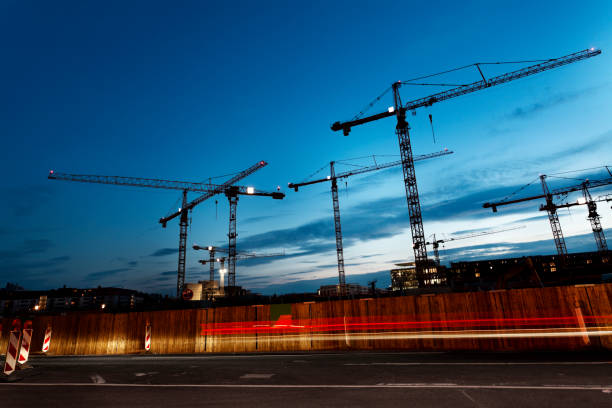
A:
551, 208
212, 250
593, 217
209, 191
399, 110
435, 243
333, 177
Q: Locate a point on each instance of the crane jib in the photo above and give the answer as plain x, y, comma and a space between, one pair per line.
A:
473, 87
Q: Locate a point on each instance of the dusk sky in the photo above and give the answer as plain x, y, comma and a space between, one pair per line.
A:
192, 90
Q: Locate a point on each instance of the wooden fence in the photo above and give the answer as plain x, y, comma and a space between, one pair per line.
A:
524, 319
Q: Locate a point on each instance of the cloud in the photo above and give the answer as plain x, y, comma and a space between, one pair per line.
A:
30, 198
382, 277
132, 263
575, 244
382, 218
36, 246
589, 145
28, 247
370, 256
258, 218
107, 273
525, 112
165, 252
168, 273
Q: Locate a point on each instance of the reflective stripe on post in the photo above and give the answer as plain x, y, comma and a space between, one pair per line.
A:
47, 341
148, 337
25, 342
13, 347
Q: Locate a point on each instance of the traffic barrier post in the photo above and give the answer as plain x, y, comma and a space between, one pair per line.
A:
26, 340
47, 340
10, 363
148, 337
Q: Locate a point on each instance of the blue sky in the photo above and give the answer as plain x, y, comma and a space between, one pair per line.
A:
195, 90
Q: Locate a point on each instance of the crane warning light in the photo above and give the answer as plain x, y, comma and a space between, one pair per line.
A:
391, 109
262, 162
581, 200
250, 190
328, 177
210, 248
51, 171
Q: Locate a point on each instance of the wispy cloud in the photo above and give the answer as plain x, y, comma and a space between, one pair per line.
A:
524, 112
168, 273
60, 259
107, 273
165, 252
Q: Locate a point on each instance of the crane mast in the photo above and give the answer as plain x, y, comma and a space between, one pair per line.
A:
338, 229
593, 217
600, 238
231, 235
553, 218
423, 272
182, 254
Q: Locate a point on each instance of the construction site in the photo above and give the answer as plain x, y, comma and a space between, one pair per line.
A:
425, 273
335, 204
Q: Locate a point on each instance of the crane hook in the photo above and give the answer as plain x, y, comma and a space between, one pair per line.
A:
432, 129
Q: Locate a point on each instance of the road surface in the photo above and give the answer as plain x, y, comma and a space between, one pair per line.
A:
353, 379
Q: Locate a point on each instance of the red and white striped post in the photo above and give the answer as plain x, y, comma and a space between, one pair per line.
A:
13, 347
26, 340
47, 340
148, 336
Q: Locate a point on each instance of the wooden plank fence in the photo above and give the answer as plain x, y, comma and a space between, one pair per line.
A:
455, 321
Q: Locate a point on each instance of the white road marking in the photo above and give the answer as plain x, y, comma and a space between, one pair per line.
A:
259, 376
527, 363
603, 388
97, 379
140, 374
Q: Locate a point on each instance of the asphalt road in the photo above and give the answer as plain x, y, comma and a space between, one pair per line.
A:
355, 379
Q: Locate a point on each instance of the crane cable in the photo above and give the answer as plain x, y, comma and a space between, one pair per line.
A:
520, 189
411, 81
